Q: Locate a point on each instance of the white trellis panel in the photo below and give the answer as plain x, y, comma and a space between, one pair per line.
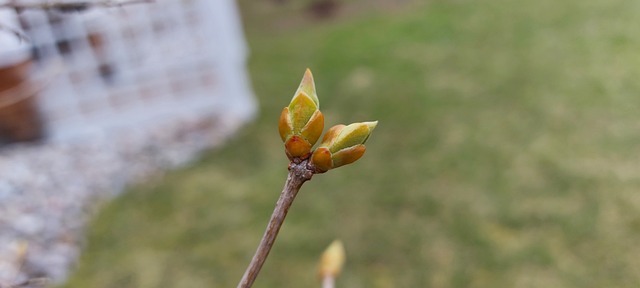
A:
139, 64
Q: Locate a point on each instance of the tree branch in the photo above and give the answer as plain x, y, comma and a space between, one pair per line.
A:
298, 174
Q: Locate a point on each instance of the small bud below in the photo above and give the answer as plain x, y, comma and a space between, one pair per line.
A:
332, 260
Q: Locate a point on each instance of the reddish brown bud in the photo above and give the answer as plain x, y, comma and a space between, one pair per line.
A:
321, 159
296, 147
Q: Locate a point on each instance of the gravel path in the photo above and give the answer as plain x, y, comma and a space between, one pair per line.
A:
48, 191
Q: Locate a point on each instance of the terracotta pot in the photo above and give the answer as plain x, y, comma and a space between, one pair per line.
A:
19, 116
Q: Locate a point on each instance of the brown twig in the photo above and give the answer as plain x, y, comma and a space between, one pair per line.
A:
68, 5
298, 174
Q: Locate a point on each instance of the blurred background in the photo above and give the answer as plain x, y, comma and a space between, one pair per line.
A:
506, 154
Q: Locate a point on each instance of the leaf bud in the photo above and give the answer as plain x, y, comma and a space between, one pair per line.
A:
332, 260
342, 145
301, 123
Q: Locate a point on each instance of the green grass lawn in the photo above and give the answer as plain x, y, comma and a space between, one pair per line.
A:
507, 155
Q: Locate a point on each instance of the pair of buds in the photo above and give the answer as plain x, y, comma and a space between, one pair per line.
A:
302, 123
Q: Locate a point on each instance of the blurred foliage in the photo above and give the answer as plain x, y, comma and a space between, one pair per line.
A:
506, 155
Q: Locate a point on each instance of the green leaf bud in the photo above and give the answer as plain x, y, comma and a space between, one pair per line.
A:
342, 145
301, 123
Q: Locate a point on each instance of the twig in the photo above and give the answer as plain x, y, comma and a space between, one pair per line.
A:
298, 174
69, 5
340, 146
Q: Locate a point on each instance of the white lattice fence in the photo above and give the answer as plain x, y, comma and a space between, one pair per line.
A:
129, 92
139, 64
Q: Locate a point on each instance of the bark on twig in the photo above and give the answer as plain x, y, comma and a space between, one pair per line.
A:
298, 174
